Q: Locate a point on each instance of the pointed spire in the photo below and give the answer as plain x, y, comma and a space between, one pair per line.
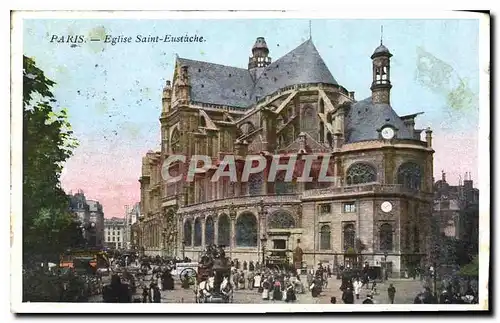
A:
310, 29
381, 34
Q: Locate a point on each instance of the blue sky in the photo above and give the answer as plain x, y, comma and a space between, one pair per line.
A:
113, 93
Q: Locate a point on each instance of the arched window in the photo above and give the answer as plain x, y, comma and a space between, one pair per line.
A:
209, 231
247, 128
203, 122
281, 220
255, 184
410, 175
281, 186
385, 236
360, 173
308, 118
246, 230
175, 142
324, 238
197, 232
321, 132
188, 229
201, 192
349, 236
321, 106
224, 230
329, 139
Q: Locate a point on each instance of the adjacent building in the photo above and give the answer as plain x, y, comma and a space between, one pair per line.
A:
114, 233
91, 216
131, 217
456, 209
377, 210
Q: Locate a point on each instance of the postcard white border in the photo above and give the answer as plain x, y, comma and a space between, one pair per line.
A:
16, 188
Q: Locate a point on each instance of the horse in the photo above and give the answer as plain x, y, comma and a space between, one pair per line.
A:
205, 289
226, 289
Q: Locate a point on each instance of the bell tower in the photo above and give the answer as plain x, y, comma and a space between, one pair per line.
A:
381, 84
259, 59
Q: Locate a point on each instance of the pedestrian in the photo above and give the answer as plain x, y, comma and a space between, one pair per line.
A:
333, 300
315, 290
391, 292
357, 287
348, 296
156, 294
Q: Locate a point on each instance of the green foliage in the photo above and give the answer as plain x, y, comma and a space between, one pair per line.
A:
471, 269
48, 142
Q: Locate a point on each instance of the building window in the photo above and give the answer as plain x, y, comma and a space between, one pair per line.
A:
281, 220
385, 236
281, 186
360, 173
246, 230
325, 208
410, 175
224, 230
308, 118
209, 231
175, 142
113, 239
350, 207
349, 236
188, 233
324, 238
255, 184
197, 232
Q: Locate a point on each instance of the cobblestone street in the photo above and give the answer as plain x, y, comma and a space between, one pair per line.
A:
406, 290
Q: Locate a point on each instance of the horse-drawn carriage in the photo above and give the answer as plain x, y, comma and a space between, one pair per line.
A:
213, 279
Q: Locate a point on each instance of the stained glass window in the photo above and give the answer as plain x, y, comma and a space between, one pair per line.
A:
281, 220
255, 184
197, 232
324, 238
209, 231
385, 236
349, 236
175, 142
410, 175
308, 118
360, 173
282, 186
188, 227
224, 230
246, 230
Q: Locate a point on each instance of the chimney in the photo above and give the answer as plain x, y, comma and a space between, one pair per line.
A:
428, 137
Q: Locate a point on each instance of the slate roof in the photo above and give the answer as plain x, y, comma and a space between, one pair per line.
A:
302, 65
212, 83
219, 84
365, 118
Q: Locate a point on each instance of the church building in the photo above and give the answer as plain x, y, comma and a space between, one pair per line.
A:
378, 210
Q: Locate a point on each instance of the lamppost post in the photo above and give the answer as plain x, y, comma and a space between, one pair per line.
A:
385, 266
263, 241
183, 249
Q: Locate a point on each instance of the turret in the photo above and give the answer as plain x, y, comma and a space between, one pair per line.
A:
381, 83
166, 99
259, 59
183, 86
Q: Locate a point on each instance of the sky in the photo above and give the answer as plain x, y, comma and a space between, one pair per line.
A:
113, 93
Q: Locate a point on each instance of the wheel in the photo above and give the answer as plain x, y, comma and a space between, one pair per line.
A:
191, 273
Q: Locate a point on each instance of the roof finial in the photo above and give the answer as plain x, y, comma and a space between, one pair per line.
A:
310, 29
381, 33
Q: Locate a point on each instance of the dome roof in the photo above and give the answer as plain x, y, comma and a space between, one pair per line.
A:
381, 50
260, 43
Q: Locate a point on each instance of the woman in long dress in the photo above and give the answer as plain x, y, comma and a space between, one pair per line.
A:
266, 286
277, 292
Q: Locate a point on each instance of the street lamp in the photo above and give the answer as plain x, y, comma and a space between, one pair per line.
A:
183, 249
263, 241
385, 265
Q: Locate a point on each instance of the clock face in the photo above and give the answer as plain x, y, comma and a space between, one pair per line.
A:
387, 133
386, 206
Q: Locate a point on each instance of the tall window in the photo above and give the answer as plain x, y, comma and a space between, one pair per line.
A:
349, 236
255, 184
410, 175
246, 230
281, 220
349, 207
188, 227
197, 232
209, 231
360, 173
385, 236
324, 238
281, 186
224, 230
308, 118
175, 142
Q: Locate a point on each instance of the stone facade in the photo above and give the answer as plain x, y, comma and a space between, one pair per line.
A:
293, 108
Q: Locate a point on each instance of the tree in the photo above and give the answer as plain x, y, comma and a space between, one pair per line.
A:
48, 226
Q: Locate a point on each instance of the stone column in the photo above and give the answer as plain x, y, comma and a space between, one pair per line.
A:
192, 232
216, 228
232, 215
203, 228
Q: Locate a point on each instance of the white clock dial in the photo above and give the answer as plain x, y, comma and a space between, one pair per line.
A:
387, 133
386, 206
